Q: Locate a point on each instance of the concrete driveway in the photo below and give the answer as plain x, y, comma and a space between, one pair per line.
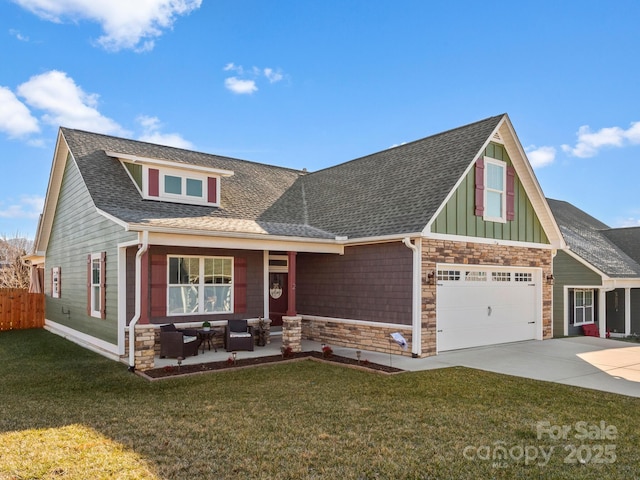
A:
598, 363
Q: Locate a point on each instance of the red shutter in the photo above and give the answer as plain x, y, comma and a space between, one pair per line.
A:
480, 187
240, 285
511, 194
103, 285
154, 182
212, 190
158, 286
89, 284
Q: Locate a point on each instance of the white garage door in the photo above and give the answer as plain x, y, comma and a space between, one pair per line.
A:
485, 306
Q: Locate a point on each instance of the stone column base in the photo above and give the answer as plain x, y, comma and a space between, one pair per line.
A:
292, 333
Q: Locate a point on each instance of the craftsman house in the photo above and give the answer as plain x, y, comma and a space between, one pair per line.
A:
597, 277
447, 240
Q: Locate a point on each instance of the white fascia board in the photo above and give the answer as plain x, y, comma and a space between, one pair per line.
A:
379, 239
490, 241
243, 242
53, 193
113, 219
530, 182
167, 163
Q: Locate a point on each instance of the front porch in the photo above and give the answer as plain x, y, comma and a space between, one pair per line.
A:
393, 358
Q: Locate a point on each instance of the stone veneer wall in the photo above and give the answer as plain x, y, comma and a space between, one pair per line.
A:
144, 348
471, 253
355, 334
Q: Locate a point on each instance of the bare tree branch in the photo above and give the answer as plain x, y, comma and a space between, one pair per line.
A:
13, 272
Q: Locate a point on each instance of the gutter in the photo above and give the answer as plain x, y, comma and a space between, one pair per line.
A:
142, 249
416, 297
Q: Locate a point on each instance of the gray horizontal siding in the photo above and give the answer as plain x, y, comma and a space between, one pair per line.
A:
568, 271
77, 231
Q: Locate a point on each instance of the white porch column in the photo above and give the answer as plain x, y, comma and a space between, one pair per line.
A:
627, 311
602, 312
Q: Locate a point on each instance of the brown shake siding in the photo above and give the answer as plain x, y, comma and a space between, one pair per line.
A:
368, 282
254, 281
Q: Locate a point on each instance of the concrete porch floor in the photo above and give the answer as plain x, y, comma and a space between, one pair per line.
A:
273, 348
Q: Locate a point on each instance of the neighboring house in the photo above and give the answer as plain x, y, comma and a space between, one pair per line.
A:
447, 240
597, 277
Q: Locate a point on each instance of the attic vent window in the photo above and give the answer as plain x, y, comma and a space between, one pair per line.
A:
181, 187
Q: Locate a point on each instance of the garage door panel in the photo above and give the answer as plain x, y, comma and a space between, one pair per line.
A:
474, 313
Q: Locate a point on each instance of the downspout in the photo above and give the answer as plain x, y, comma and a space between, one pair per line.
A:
142, 249
416, 296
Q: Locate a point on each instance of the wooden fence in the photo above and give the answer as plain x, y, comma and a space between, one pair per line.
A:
20, 309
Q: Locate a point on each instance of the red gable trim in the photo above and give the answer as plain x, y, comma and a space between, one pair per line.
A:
480, 187
511, 195
154, 182
212, 190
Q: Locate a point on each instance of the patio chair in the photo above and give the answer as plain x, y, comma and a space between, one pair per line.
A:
175, 343
238, 336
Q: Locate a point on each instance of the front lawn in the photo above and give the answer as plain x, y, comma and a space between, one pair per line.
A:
69, 413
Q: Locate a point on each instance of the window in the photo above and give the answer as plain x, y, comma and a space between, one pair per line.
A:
523, 277
495, 194
583, 307
449, 275
200, 285
183, 187
474, 276
96, 287
55, 282
501, 276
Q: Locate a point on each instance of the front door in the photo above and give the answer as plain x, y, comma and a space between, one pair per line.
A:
278, 300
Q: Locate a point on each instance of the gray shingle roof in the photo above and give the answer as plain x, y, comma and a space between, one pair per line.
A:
396, 191
589, 238
628, 239
244, 196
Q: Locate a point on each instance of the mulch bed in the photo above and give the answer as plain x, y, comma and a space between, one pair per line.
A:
174, 370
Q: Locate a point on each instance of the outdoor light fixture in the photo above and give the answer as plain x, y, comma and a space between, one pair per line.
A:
431, 276
179, 362
358, 353
234, 355
550, 279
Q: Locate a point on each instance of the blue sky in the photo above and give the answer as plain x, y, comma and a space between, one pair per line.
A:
309, 84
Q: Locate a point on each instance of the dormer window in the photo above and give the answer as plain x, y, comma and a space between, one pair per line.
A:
172, 181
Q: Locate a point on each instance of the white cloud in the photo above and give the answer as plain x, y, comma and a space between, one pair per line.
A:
245, 80
126, 24
590, 143
540, 156
66, 104
29, 206
15, 118
272, 75
239, 86
151, 133
18, 35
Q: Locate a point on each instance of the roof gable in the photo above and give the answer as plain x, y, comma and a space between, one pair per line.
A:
587, 237
393, 192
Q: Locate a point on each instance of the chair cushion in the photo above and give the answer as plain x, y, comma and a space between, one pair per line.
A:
239, 334
187, 339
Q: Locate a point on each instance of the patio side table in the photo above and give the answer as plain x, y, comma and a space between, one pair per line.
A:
206, 338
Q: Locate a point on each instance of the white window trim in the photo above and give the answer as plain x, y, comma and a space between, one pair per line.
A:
201, 285
96, 312
575, 308
55, 282
184, 175
503, 192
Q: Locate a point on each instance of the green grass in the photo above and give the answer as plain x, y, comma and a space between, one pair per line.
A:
69, 413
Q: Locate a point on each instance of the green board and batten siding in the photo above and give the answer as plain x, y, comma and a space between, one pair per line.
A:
78, 230
458, 218
568, 271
